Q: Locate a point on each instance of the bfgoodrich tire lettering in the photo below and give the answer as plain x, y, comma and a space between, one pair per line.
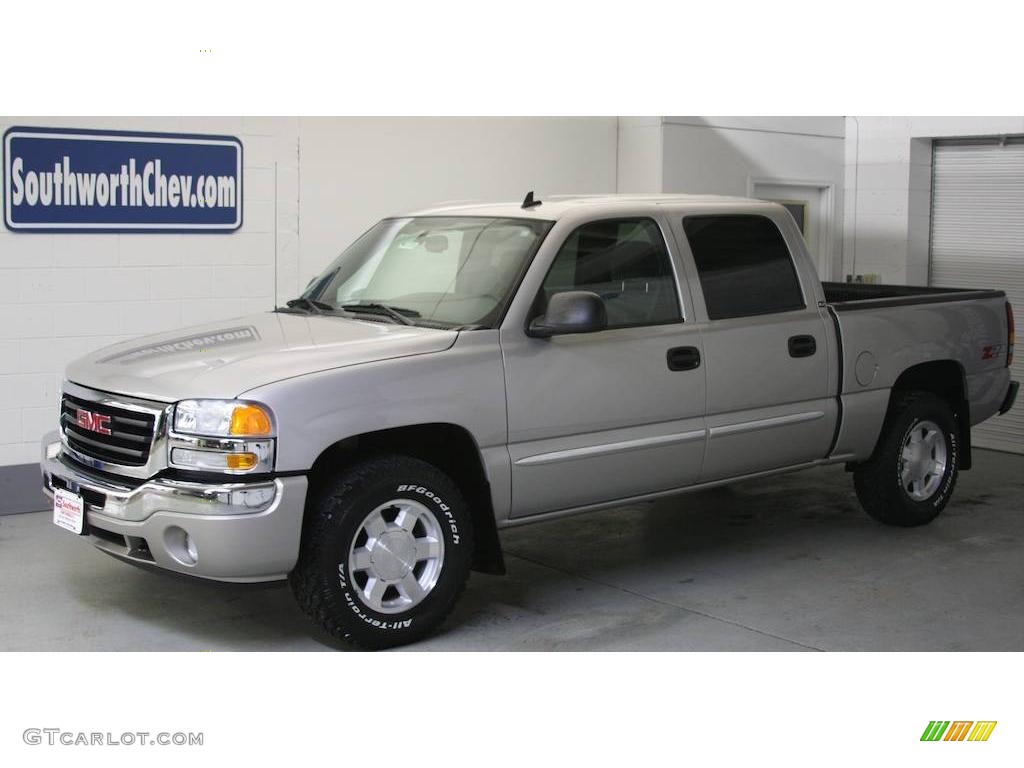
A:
886, 485
393, 519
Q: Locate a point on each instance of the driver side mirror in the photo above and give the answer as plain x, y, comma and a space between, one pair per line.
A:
570, 312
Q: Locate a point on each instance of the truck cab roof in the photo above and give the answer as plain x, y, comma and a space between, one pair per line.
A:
554, 207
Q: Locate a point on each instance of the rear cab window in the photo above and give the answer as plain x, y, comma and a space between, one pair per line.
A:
744, 265
626, 263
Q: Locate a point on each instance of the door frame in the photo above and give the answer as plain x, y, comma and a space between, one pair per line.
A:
827, 230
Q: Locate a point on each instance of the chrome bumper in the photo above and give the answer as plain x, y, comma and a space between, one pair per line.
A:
239, 532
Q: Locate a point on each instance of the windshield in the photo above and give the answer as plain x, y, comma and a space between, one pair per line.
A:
435, 271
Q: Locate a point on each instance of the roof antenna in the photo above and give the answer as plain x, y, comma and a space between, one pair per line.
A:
529, 202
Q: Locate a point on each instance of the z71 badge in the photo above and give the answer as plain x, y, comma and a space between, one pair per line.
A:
990, 351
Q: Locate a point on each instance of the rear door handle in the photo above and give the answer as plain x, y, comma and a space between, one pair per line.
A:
683, 358
802, 346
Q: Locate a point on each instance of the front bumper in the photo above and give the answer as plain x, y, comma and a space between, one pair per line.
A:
240, 532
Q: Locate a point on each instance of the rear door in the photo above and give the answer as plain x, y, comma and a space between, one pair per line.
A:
766, 347
601, 416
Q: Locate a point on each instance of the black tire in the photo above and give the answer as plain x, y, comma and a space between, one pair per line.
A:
878, 480
321, 582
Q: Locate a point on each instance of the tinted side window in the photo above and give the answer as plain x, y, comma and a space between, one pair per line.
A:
744, 265
625, 262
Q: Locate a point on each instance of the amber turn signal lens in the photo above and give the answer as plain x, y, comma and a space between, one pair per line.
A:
249, 420
241, 460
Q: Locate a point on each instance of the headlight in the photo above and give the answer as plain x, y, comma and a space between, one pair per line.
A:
222, 418
221, 436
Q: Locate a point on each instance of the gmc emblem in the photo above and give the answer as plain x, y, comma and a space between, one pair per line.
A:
94, 422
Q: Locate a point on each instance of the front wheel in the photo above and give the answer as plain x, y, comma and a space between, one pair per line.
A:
385, 554
911, 476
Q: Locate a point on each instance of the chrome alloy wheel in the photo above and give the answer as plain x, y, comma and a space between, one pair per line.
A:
396, 556
923, 460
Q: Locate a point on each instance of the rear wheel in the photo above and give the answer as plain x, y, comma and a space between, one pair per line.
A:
385, 554
911, 476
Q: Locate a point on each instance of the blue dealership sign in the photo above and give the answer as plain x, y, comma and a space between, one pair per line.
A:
72, 180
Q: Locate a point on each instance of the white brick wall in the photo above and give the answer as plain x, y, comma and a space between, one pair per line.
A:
64, 295
888, 189
356, 170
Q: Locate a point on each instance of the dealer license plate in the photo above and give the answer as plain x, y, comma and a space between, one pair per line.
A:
68, 510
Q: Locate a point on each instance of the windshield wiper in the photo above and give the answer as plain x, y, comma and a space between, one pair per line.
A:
312, 305
398, 314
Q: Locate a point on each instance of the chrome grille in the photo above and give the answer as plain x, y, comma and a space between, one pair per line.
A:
130, 438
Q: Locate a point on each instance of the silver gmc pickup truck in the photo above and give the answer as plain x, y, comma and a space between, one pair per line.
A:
464, 369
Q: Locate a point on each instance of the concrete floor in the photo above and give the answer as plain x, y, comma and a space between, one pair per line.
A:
789, 563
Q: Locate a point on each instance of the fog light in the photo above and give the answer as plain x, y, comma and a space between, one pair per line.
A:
180, 545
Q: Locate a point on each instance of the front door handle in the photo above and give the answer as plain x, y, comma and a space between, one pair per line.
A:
802, 346
683, 358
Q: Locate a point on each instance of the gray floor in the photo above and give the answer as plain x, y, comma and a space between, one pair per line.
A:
789, 563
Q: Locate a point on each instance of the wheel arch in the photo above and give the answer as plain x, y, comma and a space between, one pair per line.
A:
449, 447
948, 380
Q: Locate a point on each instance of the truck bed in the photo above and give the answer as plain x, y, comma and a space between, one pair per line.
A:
910, 326
851, 296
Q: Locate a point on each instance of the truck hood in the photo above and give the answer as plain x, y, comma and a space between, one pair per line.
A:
224, 359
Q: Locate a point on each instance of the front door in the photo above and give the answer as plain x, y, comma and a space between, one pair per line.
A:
601, 416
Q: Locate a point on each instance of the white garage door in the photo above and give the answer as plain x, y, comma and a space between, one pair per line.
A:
978, 242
